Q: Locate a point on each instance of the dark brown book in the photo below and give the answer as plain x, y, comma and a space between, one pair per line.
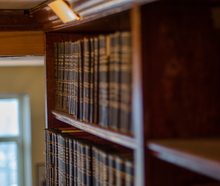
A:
56, 49
86, 81
65, 76
103, 80
111, 170
95, 171
91, 81
49, 156
71, 162
81, 80
129, 173
96, 81
120, 171
61, 54
88, 165
71, 78
83, 162
61, 160
125, 84
77, 79
75, 162
114, 83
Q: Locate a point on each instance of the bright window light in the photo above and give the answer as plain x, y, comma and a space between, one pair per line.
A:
9, 117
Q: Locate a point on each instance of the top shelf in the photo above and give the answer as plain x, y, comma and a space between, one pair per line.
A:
112, 136
199, 155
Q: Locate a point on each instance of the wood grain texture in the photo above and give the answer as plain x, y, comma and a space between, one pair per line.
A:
17, 20
180, 71
199, 155
87, 11
22, 43
94, 129
164, 173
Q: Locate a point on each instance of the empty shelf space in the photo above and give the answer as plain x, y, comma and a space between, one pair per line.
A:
199, 155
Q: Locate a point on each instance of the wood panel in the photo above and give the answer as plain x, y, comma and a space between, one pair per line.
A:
17, 20
199, 155
22, 43
180, 71
97, 130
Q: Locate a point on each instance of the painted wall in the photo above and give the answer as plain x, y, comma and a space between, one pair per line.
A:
29, 80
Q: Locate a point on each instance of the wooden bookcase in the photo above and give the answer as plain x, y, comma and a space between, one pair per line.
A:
175, 84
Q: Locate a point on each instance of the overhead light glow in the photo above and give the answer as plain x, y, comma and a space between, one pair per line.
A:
63, 11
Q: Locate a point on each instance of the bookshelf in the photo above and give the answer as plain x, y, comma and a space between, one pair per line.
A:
175, 84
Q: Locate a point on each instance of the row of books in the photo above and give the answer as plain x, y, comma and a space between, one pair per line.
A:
93, 80
78, 160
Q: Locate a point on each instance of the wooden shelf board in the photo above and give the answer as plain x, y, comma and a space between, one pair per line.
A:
121, 139
199, 155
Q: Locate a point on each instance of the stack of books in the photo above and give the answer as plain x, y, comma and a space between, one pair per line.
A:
93, 80
80, 160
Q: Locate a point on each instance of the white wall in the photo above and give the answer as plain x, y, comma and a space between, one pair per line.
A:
29, 80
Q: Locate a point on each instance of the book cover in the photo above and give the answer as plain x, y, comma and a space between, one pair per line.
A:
61, 74
81, 80
88, 165
103, 80
120, 171
71, 162
114, 72
56, 76
96, 81
91, 81
111, 170
125, 84
86, 81
129, 173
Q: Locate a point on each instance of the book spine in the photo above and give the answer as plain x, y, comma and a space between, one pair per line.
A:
94, 166
49, 156
88, 165
74, 88
114, 72
91, 82
129, 173
77, 82
125, 84
56, 76
83, 163
104, 80
61, 160
75, 161
105, 179
55, 146
65, 76
71, 162
111, 170
66, 160
79, 175
86, 82
100, 166
81, 80
96, 80
120, 171
71, 80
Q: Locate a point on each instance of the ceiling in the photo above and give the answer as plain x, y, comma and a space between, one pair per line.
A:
19, 4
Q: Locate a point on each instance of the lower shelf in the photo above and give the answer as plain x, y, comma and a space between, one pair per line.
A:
121, 139
199, 155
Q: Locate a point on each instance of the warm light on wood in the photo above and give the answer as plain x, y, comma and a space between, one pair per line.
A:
63, 11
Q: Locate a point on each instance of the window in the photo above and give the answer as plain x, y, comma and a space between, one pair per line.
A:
15, 140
